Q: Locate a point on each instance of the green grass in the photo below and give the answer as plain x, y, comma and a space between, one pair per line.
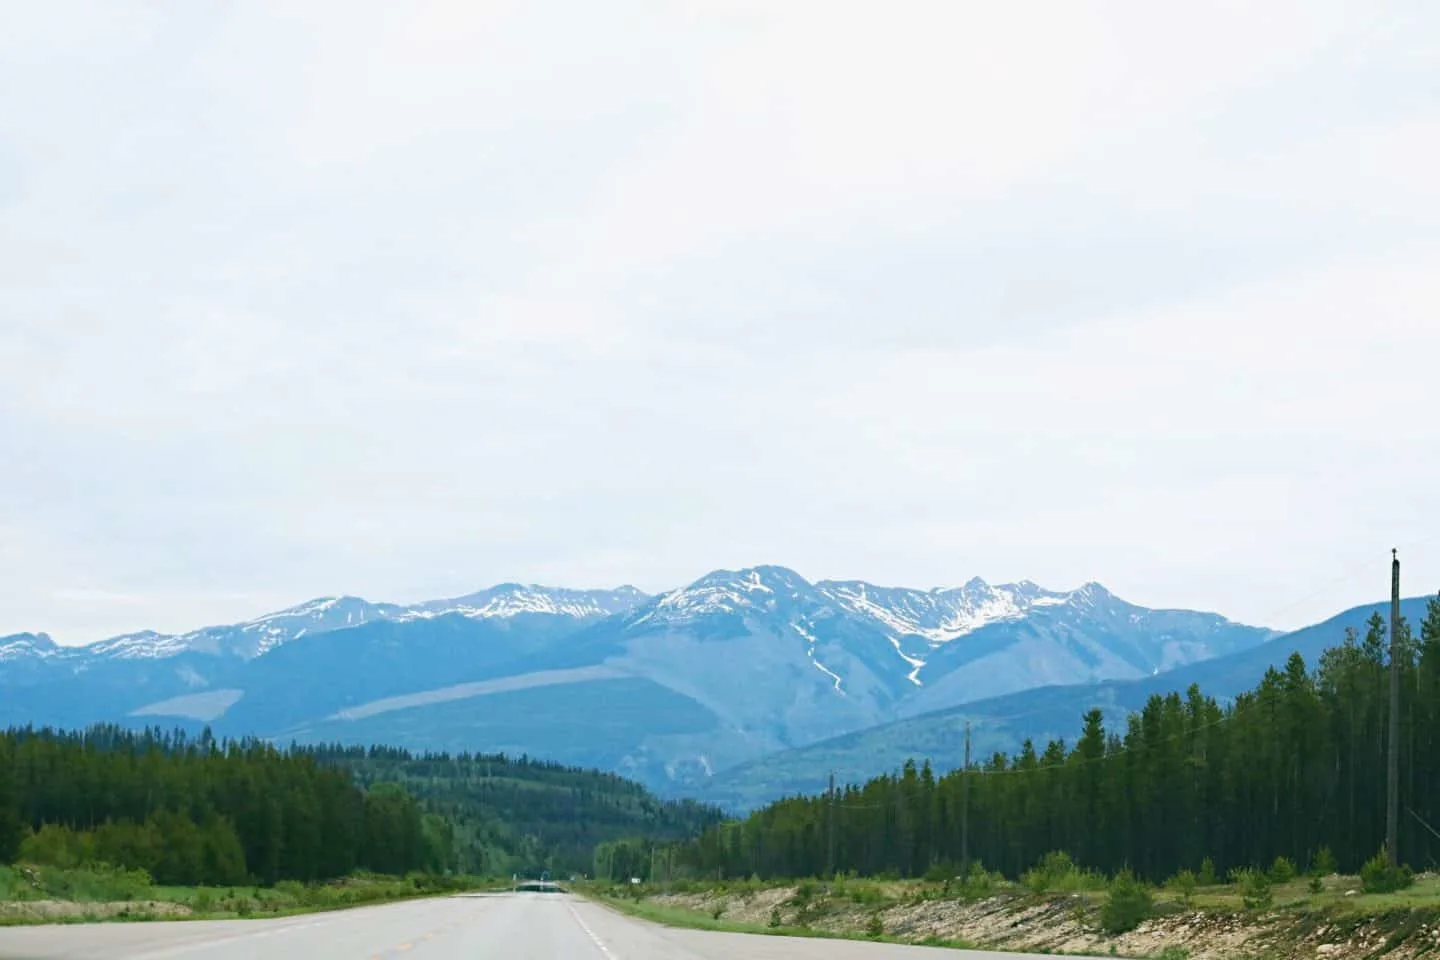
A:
1295, 897
101, 893
1221, 898
1395, 917
695, 920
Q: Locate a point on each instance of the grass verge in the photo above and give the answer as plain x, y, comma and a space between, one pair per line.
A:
695, 920
40, 895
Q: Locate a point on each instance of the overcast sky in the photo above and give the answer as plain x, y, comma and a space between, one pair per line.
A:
403, 300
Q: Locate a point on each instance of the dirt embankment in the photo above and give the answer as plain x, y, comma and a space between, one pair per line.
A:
1069, 924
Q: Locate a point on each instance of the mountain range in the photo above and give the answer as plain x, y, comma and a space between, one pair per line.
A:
680, 690
1041, 714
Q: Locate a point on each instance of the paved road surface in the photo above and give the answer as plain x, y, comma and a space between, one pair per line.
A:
504, 927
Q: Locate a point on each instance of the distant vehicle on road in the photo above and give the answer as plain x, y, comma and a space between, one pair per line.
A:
538, 886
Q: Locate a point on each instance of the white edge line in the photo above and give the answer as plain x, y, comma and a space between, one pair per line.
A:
599, 944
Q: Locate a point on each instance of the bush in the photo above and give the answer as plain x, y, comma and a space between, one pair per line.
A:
1282, 870
1317, 883
54, 845
292, 890
1128, 905
775, 919
876, 926
980, 885
1057, 863
1324, 863
1184, 884
93, 884
1207, 877
1255, 889
804, 900
940, 872
1377, 876
1055, 872
865, 894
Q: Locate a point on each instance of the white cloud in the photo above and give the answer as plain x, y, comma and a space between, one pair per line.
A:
315, 297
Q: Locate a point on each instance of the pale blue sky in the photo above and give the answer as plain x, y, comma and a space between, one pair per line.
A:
403, 300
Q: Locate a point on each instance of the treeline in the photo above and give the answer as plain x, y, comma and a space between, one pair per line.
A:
639, 858
202, 811
520, 815
1295, 765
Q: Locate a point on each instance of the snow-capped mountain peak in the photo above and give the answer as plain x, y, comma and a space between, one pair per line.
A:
938, 615
753, 589
1090, 594
945, 614
142, 645
37, 645
513, 599
257, 637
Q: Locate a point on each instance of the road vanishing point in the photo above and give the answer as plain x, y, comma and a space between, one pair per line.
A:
507, 926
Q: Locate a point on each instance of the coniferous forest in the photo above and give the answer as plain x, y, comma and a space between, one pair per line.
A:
200, 811
1295, 765
194, 810
521, 815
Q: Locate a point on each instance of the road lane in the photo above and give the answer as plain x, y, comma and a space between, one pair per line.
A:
502, 926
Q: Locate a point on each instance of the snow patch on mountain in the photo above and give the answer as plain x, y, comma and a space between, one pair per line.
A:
914, 623
513, 599
916, 663
828, 672
36, 645
810, 642
939, 615
145, 645
257, 637
754, 590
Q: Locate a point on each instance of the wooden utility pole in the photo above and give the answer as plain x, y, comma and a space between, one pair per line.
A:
830, 857
1392, 792
965, 811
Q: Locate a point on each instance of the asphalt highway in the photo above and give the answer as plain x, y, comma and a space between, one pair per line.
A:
501, 926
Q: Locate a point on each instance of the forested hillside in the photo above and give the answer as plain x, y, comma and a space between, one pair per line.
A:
201, 811
510, 815
1292, 766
